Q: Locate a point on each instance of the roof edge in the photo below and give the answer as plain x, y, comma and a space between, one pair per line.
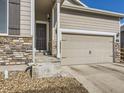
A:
109, 12
81, 3
94, 10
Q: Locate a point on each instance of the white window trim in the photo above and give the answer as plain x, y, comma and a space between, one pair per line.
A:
7, 17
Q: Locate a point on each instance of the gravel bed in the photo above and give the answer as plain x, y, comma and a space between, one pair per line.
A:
21, 82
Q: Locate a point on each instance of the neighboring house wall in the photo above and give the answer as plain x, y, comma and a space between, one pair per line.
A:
122, 36
122, 39
122, 28
72, 19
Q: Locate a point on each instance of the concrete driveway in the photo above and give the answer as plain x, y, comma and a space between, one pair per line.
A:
99, 78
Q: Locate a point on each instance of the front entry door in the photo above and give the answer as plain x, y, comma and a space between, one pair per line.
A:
41, 41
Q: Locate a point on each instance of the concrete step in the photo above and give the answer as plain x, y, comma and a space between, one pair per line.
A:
40, 58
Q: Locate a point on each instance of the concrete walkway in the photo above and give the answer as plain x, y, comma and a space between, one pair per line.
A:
99, 78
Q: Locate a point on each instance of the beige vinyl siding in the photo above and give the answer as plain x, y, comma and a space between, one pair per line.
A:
71, 19
25, 19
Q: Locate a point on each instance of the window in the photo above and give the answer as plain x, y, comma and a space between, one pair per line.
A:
14, 17
3, 16
10, 17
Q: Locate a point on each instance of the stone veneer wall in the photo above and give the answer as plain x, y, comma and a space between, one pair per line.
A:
117, 54
54, 48
15, 50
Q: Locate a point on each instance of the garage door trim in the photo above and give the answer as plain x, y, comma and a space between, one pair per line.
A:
84, 32
75, 31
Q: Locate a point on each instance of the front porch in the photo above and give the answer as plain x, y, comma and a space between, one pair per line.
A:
46, 45
41, 58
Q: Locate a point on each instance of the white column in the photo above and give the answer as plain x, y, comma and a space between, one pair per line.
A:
58, 29
33, 27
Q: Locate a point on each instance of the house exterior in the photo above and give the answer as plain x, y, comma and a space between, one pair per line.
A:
65, 29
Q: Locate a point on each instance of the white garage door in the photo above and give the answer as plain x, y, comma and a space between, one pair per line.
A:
83, 49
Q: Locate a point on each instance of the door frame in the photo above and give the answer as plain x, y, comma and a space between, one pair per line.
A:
47, 32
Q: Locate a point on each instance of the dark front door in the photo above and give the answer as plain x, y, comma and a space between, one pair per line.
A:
41, 37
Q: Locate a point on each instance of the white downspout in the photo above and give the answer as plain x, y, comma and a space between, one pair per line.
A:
58, 29
33, 27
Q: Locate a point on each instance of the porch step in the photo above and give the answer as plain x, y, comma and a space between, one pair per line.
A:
42, 52
40, 58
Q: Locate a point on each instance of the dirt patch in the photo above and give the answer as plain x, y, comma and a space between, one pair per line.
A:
20, 82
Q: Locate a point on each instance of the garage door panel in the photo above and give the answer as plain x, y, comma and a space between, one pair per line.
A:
72, 61
73, 54
71, 46
73, 37
83, 49
81, 45
83, 61
85, 53
77, 44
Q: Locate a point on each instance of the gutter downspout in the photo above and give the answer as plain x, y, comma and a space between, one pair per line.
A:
58, 29
33, 28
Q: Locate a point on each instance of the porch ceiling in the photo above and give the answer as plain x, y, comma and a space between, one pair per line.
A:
43, 8
44, 5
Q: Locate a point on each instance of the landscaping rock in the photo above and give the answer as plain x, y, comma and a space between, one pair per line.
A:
20, 82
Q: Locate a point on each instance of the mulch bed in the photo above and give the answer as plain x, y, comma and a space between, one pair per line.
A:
20, 82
